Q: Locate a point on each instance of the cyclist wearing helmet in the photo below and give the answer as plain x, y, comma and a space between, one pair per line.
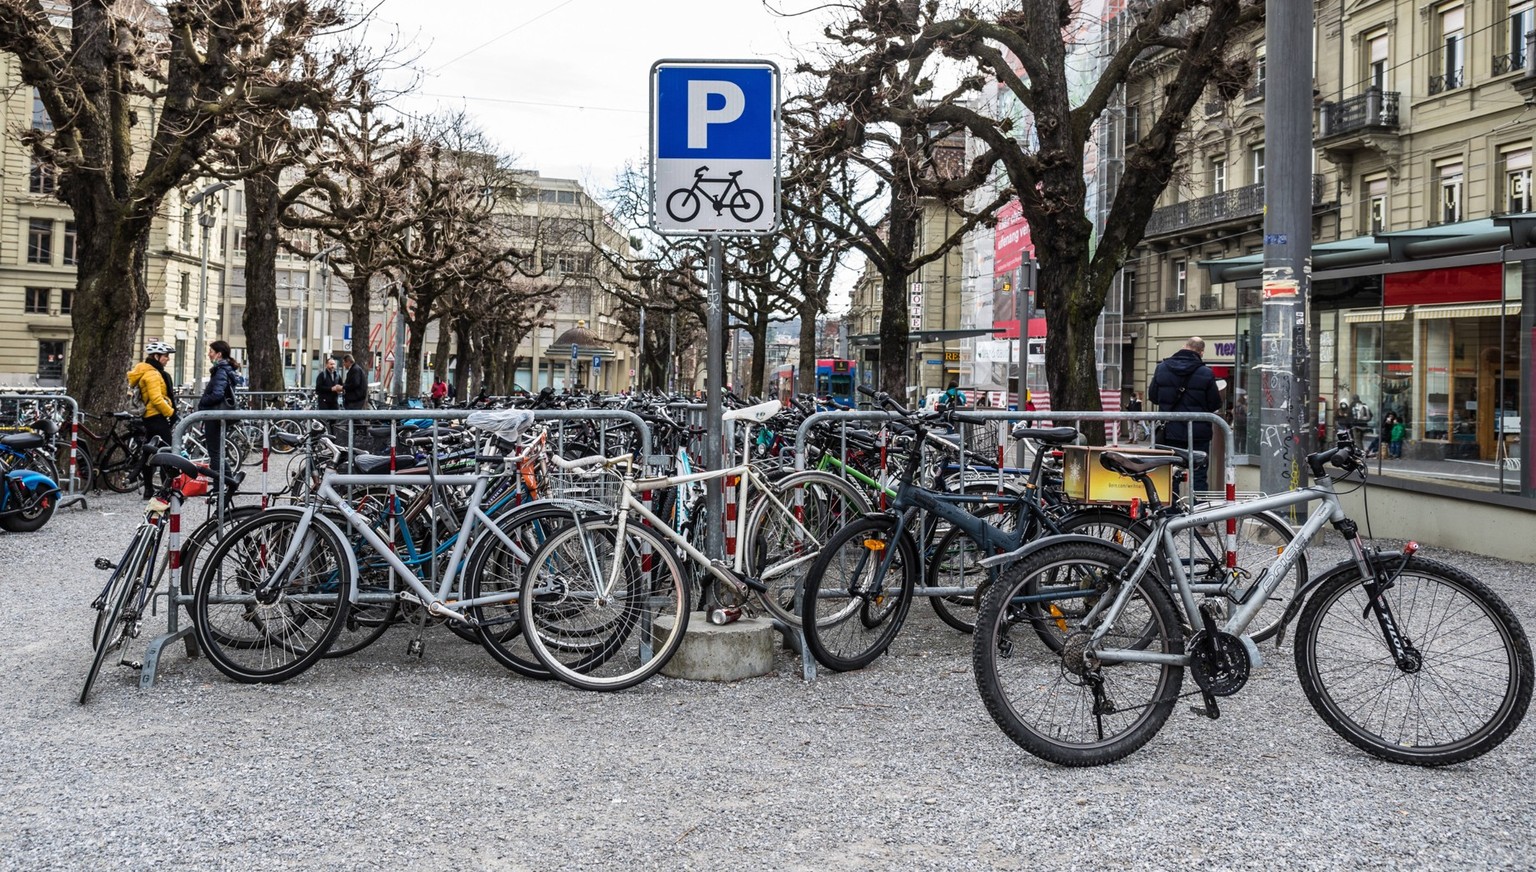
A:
154, 388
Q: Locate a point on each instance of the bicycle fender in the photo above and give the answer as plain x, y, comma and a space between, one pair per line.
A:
31, 479
1387, 560
999, 560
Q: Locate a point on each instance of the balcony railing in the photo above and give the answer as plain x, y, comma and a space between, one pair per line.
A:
1373, 109
1210, 301
1173, 304
1447, 82
1508, 63
1244, 202
1254, 92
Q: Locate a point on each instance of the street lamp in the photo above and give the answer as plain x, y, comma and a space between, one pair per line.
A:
206, 221
324, 257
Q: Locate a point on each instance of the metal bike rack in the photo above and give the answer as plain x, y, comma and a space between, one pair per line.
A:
73, 495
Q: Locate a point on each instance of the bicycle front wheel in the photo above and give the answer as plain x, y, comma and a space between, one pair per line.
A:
120, 469
1461, 689
256, 632
110, 631
600, 613
857, 594
1071, 702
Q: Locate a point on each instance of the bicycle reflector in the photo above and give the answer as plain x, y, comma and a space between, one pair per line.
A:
188, 486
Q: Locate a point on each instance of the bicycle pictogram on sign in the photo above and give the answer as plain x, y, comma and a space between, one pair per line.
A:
744, 205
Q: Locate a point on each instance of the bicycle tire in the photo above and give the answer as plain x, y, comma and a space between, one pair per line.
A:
1483, 703
284, 637
1013, 669
844, 583
593, 642
111, 632
953, 564
827, 504
492, 567
85, 471
746, 206
686, 199
116, 581
118, 471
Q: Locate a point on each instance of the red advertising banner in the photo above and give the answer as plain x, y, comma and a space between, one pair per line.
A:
1464, 284
1012, 241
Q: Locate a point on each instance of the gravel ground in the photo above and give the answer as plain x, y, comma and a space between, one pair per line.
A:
384, 760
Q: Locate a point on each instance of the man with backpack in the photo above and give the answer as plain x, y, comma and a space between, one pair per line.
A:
1183, 383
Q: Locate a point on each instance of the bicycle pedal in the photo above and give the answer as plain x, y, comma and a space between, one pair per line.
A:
1209, 709
416, 647
132, 664
104, 563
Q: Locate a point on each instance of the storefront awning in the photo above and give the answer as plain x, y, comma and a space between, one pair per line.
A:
1485, 310
1393, 314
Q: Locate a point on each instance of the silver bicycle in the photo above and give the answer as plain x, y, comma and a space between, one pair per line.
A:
1080, 649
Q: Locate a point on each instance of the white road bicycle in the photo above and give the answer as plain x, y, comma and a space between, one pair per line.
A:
603, 602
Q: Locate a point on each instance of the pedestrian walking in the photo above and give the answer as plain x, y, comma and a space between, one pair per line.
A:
439, 392
155, 390
1395, 438
354, 385
1183, 383
1133, 405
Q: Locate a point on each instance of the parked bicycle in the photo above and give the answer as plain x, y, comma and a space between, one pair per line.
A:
1080, 650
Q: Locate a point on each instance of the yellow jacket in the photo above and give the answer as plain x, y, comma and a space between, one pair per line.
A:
151, 390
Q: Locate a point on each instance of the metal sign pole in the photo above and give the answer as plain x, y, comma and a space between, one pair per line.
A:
714, 508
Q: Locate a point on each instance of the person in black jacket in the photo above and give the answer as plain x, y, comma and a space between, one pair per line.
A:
218, 394
1183, 383
354, 386
328, 387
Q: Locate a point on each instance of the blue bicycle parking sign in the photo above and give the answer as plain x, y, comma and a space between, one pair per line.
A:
714, 147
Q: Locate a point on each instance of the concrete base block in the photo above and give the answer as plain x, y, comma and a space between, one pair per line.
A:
735, 651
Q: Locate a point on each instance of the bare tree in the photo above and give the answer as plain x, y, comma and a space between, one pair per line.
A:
1027, 46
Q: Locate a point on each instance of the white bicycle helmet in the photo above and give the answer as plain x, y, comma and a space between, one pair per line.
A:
158, 348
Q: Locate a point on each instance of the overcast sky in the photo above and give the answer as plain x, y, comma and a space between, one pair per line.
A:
564, 84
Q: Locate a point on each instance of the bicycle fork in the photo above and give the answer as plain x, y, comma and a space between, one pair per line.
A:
1404, 654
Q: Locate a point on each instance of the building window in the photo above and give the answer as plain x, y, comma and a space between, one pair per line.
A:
186, 228
1129, 282
1132, 125
1450, 179
1519, 23
1260, 73
546, 196
567, 198
66, 301
1218, 175
1517, 179
1180, 286
578, 301
71, 244
237, 239
43, 179
40, 119
50, 360
1256, 157
37, 301
186, 291
40, 240
1376, 60
1450, 72
1375, 204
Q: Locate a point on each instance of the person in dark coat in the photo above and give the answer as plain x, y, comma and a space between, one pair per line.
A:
1183, 383
328, 387
218, 395
354, 393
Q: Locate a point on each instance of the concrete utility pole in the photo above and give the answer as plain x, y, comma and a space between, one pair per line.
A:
1283, 384
714, 435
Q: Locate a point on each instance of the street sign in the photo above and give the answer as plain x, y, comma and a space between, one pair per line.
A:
346, 332
597, 363
714, 147
573, 351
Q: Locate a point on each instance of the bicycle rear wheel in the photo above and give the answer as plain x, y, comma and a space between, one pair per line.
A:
1062, 702
816, 506
857, 594
596, 628
1461, 690
120, 470
271, 638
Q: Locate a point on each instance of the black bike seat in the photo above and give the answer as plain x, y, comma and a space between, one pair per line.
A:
179, 463
1140, 464
22, 441
288, 438
1052, 435
125, 416
370, 464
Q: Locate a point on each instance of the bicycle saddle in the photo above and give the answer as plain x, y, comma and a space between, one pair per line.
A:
1140, 464
371, 464
22, 441
288, 438
125, 416
1052, 435
195, 470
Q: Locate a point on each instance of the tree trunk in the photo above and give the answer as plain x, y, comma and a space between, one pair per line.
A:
462, 363
358, 289
444, 338
805, 373
109, 303
264, 356
415, 343
894, 321
1072, 306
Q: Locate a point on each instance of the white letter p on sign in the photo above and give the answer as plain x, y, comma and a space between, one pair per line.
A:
700, 116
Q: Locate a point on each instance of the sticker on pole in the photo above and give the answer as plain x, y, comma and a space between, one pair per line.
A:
714, 147
1281, 288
